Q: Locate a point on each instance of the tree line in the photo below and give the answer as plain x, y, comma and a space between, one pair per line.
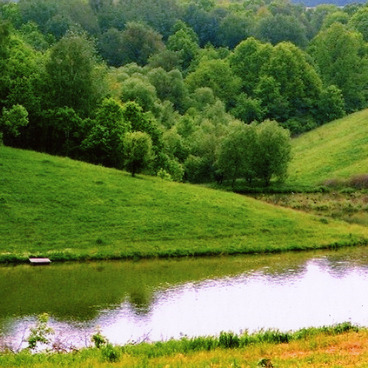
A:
187, 89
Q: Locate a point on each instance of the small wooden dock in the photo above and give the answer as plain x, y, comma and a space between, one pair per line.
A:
39, 261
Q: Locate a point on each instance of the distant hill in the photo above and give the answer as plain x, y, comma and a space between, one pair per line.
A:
336, 150
65, 209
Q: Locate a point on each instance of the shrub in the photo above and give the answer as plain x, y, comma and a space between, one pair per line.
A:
164, 175
229, 340
40, 333
359, 181
273, 336
110, 353
98, 339
333, 183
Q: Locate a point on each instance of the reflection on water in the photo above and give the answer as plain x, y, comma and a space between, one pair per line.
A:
160, 299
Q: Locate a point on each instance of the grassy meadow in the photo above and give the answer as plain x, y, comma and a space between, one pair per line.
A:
336, 150
65, 209
338, 346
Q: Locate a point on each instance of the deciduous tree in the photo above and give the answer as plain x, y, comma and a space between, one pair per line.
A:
272, 153
137, 151
237, 152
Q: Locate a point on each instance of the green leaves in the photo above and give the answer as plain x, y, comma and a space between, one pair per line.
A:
137, 148
255, 152
13, 119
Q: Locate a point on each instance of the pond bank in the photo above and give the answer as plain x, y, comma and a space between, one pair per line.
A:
157, 300
341, 345
245, 249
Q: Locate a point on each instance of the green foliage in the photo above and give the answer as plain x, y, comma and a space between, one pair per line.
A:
74, 79
247, 61
40, 333
181, 71
341, 56
138, 43
237, 153
141, 91
228, 340
335, 17
13, 120
170, 86
273, 151
111, 47
248, 109
137, 151
359, 22
298, 81
234, 28
110, 353
185, 42
204, 351
103, 143
331, 105
160, 15
99, 340
22, 76
38, 11
164, 175
255, 152
281, 27
273, 104
217, 75
63, 131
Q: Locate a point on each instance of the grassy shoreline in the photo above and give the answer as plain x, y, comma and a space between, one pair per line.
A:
340, 345
68, 210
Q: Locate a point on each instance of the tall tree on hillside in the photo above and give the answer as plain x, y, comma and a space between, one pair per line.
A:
341, 55
4, 54
137, 150
359, 22
185, 42
247, 61
237, 152
74, 78
282, 27
273, 151
217, 75
235, 27
103, 143
298, 81
139, 42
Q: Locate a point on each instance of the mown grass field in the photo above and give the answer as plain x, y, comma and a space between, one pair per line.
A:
309, 348
336, 150
65, 209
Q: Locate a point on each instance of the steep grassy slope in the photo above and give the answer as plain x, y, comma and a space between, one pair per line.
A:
335, 150
64, 209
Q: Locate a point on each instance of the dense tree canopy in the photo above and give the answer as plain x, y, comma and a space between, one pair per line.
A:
190, 81
341, 55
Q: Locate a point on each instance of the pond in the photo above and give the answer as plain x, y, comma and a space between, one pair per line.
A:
152, 300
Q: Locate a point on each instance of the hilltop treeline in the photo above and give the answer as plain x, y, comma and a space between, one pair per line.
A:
162, 85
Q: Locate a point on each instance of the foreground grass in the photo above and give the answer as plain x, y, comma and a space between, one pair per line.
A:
336, 150
65, 209
339, 346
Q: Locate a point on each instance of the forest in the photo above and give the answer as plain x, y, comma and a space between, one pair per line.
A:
189, 90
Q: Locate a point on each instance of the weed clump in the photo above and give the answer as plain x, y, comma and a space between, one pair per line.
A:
359, 181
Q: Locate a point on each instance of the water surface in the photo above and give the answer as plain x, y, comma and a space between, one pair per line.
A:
160, 299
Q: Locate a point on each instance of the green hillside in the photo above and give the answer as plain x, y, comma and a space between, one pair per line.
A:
335, 150
65, 209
